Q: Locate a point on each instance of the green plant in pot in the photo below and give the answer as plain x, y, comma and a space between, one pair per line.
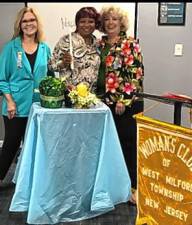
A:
52, 92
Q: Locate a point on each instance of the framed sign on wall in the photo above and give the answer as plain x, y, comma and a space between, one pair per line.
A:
171, 13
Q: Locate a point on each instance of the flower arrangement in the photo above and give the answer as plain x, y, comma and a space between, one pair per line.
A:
124, 69
81, 97
52, 92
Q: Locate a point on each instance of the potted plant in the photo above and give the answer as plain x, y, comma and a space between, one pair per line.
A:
52, 92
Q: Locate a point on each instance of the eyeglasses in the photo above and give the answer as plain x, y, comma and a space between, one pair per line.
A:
28, 21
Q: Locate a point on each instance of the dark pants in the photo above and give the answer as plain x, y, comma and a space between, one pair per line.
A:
127, 132
14, 134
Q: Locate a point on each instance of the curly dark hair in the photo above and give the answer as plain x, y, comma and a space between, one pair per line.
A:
89, 12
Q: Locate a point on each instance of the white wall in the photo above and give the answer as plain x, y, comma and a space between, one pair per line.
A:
51, 14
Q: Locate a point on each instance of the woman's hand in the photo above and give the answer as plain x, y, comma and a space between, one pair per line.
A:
119, 108
11, 109
11, 106
66, 61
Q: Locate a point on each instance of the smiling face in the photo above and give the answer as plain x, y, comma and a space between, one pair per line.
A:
86, 26
112, 24
29, 25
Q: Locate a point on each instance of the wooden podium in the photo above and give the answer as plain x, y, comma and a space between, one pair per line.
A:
164, 169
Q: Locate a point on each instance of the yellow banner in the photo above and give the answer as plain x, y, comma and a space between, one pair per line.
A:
164, 173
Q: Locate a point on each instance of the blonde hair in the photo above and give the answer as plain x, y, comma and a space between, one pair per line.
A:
17, 25
123, 16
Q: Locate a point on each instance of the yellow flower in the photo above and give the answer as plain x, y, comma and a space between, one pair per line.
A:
82, 90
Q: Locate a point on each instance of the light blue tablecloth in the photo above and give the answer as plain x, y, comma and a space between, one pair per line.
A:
71, 166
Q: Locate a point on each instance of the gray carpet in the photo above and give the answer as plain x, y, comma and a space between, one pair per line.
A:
123, 214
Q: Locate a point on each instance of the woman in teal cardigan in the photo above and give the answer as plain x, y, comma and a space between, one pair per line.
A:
23, 63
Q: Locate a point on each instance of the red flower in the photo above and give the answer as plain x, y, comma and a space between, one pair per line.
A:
109, 60
112, 82
129, 60
128, 88
126, 50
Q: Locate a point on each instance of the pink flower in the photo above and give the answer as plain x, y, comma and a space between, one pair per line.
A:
136, 47
112, 82
129, 60
128, 88
139, 73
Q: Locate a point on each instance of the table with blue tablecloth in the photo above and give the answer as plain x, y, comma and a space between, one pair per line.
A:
71, 166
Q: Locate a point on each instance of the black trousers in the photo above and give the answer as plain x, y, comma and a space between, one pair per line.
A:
127, 132
14, 134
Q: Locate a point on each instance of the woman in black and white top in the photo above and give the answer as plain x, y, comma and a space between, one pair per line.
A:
85, 58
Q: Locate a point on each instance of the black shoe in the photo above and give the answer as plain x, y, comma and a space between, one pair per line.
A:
131, 203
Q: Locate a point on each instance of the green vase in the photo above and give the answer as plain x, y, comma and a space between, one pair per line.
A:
51, 101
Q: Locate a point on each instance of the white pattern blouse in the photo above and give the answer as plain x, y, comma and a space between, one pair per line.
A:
85, 57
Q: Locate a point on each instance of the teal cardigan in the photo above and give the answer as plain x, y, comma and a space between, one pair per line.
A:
16, 77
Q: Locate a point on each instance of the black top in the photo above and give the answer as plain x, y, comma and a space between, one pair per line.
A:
32, 58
